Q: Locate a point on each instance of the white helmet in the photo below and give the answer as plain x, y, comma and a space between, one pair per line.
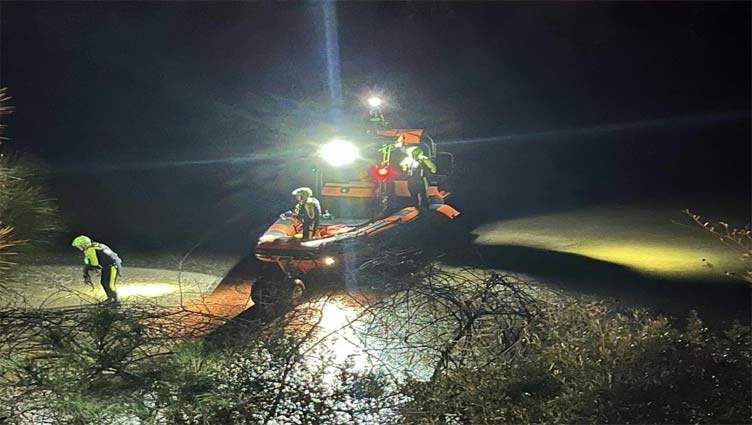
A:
303, 191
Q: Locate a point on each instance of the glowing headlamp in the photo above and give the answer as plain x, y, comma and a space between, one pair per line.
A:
374, 101
339, 152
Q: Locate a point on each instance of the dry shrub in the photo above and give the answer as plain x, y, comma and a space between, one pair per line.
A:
586, 364
736, 238
24, 204
7, 254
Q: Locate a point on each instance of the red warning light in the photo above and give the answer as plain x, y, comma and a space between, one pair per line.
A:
383, 172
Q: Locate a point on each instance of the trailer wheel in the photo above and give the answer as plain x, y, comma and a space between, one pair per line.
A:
298, 289
266, 296
274, 297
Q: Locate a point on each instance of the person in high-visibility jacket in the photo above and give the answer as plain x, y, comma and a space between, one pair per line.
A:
416, 165
308, 210
98, 256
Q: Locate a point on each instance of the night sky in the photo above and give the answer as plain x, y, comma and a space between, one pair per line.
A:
546, 106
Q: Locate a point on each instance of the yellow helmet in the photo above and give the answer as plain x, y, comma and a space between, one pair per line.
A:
303, 191
81, 240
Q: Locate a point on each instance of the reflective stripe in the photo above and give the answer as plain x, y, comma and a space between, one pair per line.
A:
113, 276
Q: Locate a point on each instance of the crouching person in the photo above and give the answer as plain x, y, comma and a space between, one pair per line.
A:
98, 256
308, 210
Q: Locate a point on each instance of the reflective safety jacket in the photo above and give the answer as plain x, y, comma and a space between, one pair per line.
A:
99, 255
416, 162
308, 210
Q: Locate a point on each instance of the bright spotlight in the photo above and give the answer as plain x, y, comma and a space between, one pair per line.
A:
328, 261
339, 152
374, 101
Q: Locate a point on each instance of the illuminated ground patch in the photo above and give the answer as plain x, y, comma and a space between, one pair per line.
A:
148, 290
659, 258
647, 239
62, 285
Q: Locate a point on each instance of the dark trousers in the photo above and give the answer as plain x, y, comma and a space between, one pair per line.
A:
309, 227
109, 275
418, 187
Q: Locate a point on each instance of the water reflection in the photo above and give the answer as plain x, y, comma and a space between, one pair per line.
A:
331, 323
352, 330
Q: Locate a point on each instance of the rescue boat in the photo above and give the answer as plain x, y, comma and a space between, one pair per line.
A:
282, 244
369, 205
365, 200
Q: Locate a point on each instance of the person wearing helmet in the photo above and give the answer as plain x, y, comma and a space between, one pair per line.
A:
416, 165
98, 256
308, 210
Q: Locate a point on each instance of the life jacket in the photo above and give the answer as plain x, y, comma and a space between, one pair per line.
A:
104, 255
412, 164
310, 209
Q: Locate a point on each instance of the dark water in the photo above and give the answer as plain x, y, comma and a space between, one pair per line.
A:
223, 207
693, 165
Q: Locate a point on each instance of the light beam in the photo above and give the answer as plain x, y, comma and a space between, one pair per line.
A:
606, 128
